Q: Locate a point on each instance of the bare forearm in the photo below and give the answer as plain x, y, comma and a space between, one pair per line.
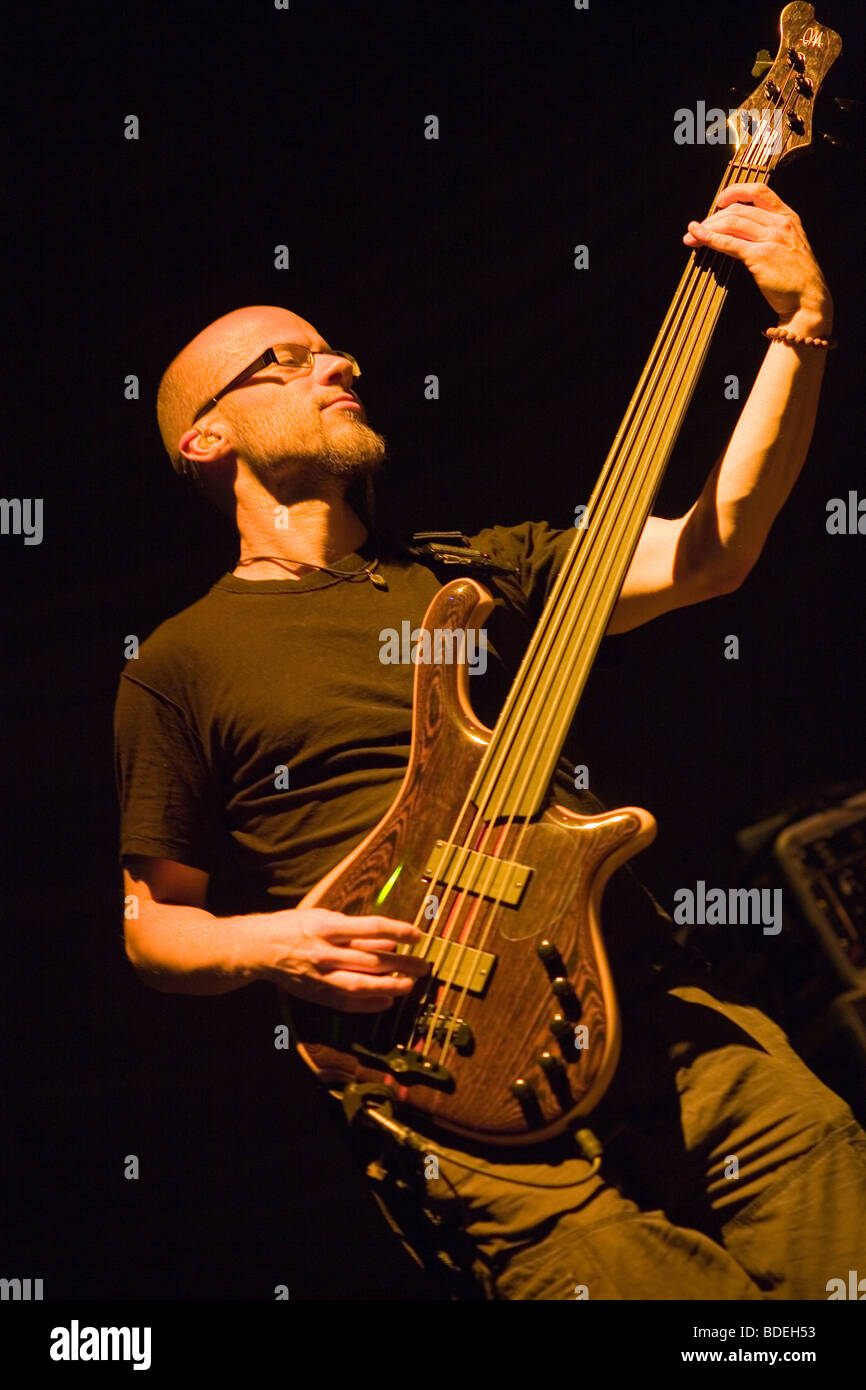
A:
768, 446
357, 964
728, 525
186, 950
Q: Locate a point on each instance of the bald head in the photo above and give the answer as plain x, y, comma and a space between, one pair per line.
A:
213, 357
281, 433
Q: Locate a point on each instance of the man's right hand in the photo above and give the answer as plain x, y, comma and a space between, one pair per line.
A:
341, 962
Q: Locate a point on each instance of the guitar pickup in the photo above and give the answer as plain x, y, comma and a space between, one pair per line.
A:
461, 967
504, 879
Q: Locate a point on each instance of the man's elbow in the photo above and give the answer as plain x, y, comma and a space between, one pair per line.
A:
148, 973
729, 575
163, 984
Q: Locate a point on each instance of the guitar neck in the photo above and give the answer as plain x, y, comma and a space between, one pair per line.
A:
521, 759
514, 776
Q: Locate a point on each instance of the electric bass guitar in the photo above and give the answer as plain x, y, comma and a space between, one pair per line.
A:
515, 1032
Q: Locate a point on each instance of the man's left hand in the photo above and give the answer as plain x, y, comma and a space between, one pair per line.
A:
753, 225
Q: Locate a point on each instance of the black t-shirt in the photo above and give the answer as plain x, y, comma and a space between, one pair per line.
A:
259, 736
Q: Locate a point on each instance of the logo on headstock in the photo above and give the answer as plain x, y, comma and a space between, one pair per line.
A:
813, 38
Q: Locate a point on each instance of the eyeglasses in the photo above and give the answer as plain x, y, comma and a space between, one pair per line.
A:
294, 355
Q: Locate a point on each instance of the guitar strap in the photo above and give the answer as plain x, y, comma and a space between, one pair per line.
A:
441, 550
453, 548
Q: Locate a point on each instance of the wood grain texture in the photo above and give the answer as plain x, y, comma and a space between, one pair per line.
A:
571, 857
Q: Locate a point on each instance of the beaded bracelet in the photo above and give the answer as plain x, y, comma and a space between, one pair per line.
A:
787, 335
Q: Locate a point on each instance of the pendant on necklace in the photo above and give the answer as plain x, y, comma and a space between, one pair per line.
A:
377, 580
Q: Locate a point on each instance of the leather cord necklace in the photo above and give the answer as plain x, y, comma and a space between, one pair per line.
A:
350, 576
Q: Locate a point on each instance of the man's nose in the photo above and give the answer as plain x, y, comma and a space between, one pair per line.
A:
334, 370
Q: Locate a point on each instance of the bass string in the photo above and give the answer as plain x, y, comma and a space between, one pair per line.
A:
650, 378
640, 446
490, 872
673, 353
484, 892
668, 383
488, 869
630, 425
544, 697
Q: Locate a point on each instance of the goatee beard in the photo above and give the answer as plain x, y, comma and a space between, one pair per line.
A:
360, 456
294, 479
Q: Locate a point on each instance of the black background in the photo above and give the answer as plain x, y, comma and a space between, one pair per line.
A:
454, 256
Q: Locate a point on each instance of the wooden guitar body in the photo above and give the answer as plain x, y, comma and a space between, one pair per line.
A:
510, 1011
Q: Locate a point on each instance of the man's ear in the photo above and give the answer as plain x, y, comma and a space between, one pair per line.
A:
198, 446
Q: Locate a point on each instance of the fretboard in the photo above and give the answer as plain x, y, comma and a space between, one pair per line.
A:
518, 766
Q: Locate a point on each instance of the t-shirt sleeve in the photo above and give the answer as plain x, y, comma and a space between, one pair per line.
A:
535, 549
169, 802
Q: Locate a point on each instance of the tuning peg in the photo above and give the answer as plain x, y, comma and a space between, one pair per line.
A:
763, 63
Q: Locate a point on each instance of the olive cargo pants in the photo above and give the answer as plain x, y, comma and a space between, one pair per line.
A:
729, 1172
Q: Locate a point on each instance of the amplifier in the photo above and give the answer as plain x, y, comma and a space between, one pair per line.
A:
823, 861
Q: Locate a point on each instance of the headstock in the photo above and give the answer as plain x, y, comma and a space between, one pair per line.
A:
775, 122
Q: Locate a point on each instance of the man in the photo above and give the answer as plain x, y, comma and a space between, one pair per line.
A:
260, 737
